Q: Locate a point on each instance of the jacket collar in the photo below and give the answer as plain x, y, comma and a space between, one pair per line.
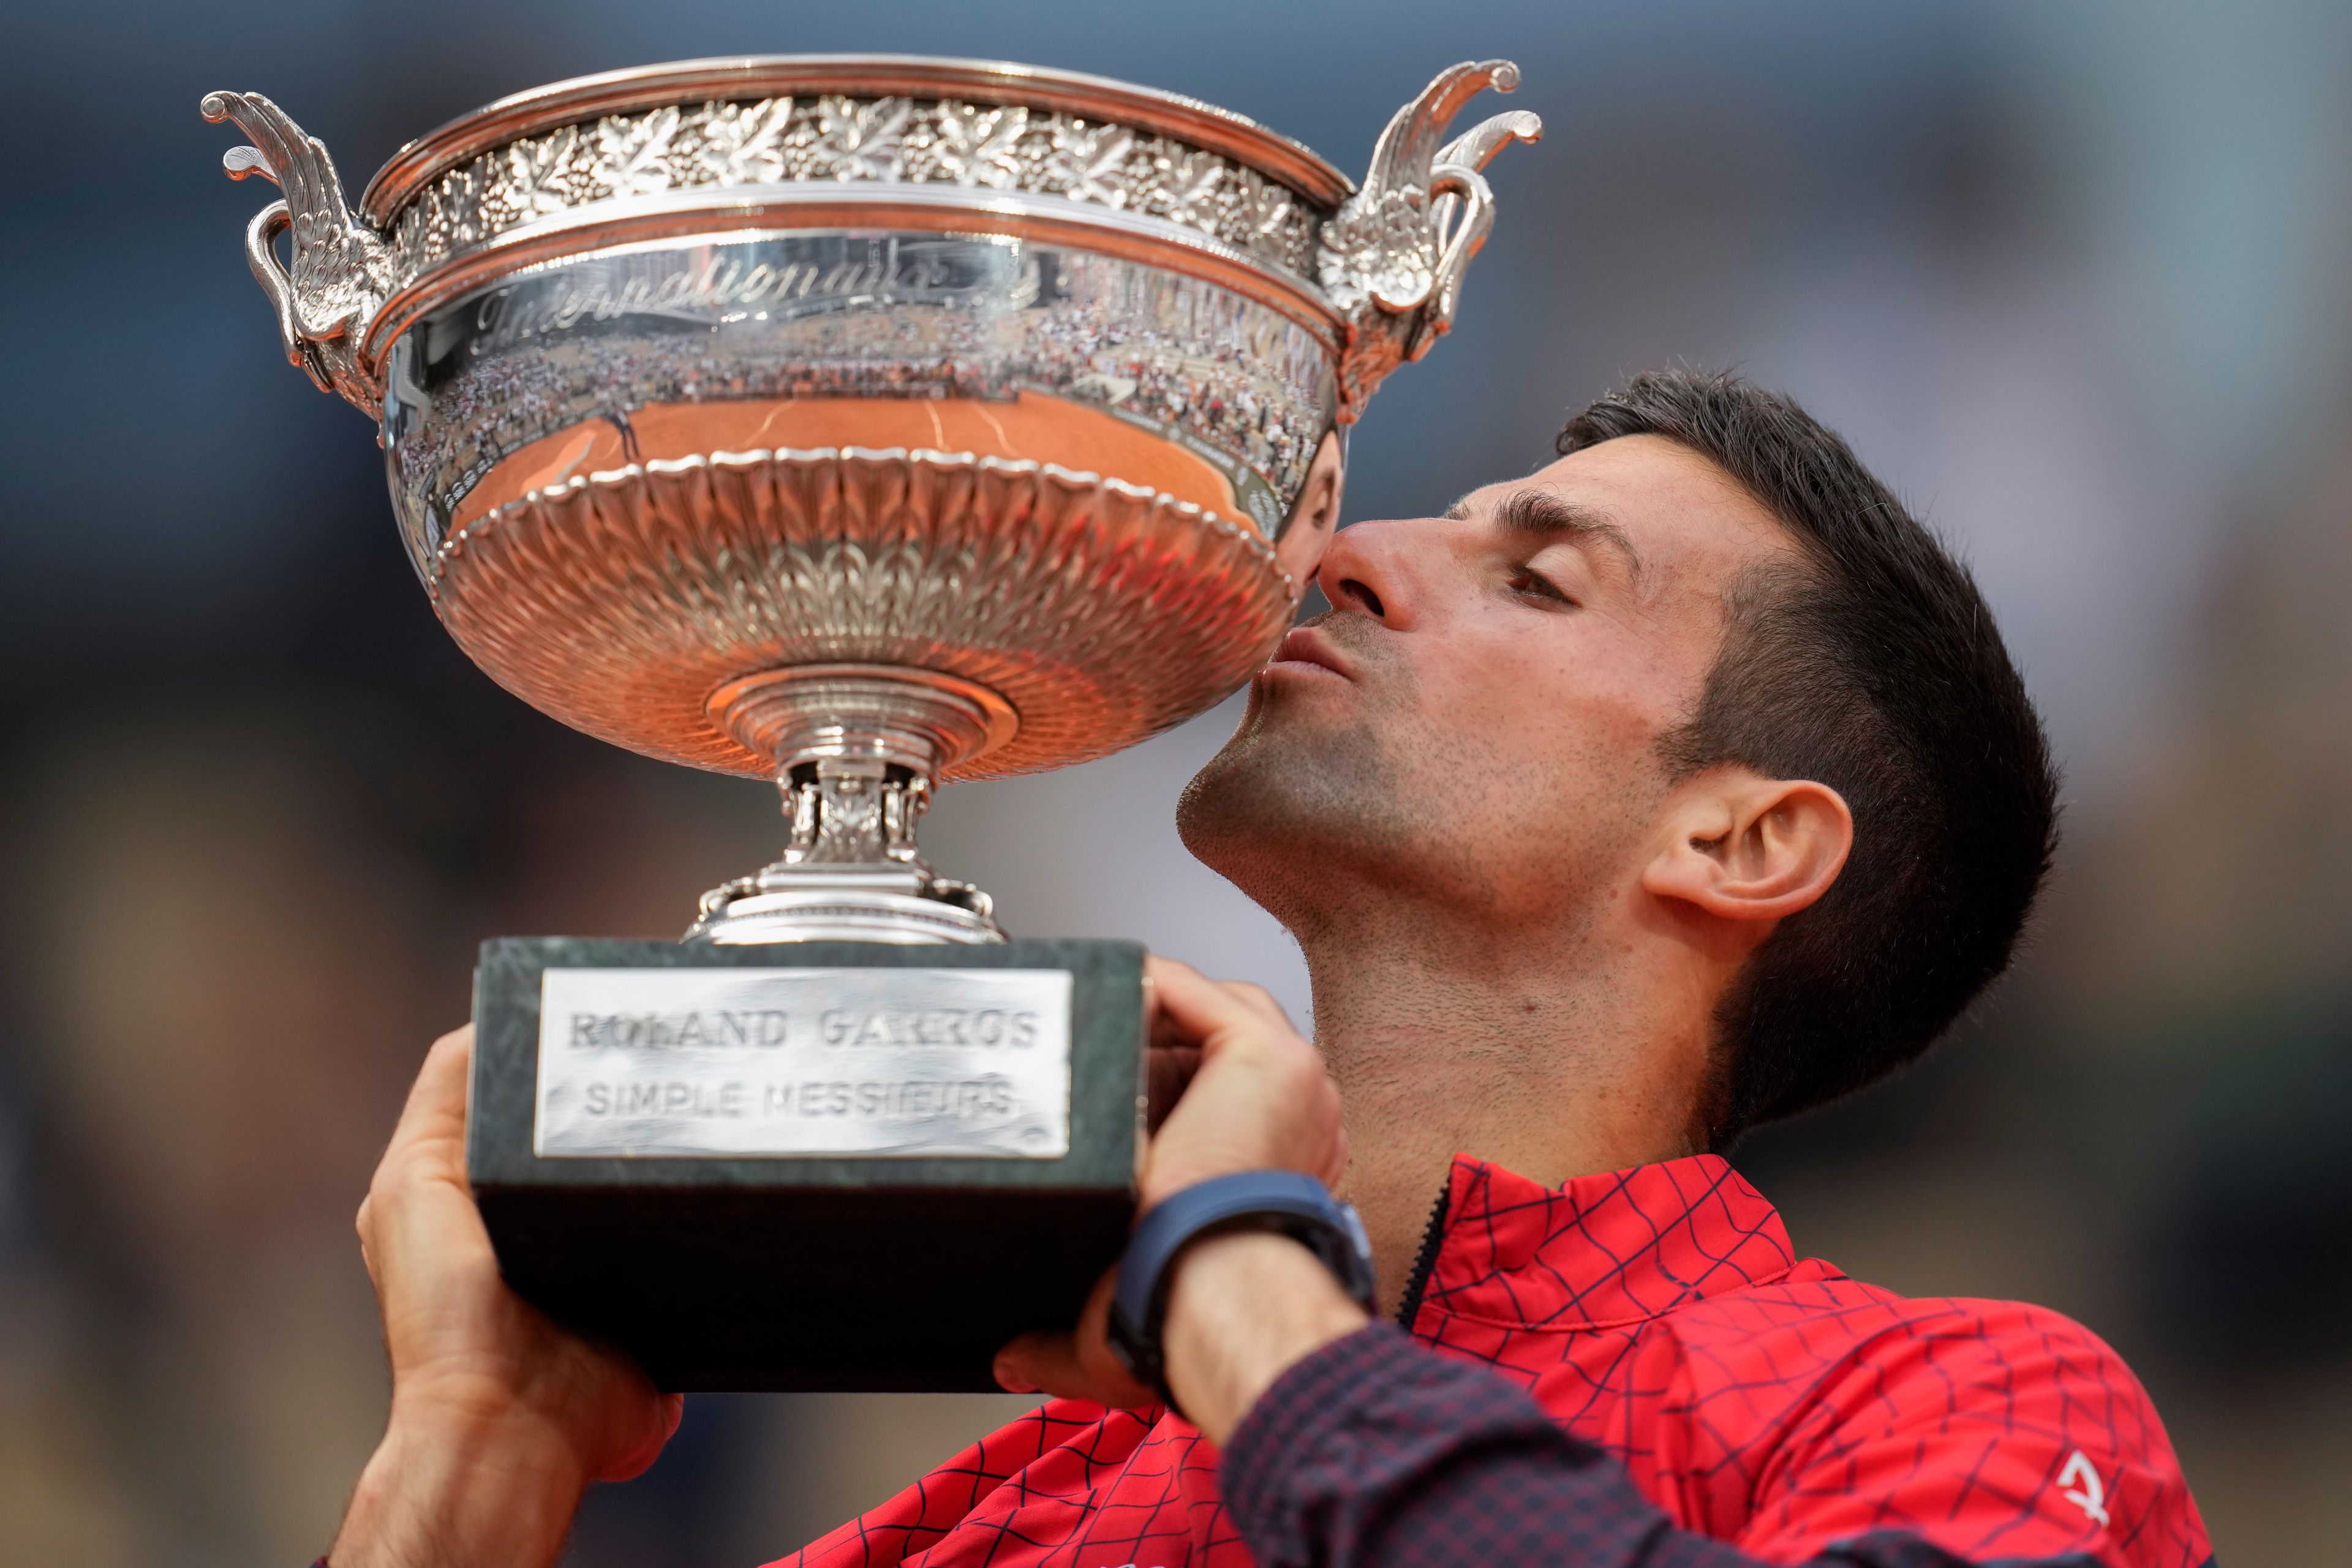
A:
1596, 1252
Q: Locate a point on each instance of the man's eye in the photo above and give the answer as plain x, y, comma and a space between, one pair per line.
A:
1535, 584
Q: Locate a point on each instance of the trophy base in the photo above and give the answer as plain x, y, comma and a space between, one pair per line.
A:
854, 1166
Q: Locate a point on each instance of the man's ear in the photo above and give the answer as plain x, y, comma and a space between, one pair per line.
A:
1745, 847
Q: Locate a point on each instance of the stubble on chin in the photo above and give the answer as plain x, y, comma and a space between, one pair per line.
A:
1294, 791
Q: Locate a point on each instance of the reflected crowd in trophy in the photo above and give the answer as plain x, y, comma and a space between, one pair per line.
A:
260, 811
1244, 397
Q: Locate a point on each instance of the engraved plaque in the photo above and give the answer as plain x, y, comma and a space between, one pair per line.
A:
671, 1062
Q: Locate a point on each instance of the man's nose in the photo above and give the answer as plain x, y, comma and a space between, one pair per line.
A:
1368, 569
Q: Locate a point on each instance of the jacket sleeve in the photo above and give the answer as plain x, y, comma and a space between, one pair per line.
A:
1375, 1452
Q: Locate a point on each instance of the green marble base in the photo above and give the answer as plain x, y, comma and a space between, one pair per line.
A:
872, 1271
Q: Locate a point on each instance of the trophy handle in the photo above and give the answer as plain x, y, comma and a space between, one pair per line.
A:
341, 270
1453, 186
261, 255
1391, 258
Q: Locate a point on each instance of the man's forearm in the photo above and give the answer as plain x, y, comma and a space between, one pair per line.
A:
1241, 1308
459, 1494
1377, 1452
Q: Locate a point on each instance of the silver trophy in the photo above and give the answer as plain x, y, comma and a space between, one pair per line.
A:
861, 423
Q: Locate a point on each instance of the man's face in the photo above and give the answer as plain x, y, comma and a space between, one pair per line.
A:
1475, 723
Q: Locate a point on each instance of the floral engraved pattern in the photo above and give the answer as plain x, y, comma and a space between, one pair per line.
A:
632, 154
976, 146
1267, 214
1005, 147
1190, 183
1089, 163
537, 178
458, 206
743, 143
860, 140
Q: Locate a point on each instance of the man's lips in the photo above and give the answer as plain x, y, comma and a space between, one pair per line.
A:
1306, 646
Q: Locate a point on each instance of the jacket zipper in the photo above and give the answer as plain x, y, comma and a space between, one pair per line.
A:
1431, 1239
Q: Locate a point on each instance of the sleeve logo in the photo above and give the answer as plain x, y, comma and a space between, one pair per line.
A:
2079, 1483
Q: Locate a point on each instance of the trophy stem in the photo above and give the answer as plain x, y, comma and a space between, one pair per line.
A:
857, 748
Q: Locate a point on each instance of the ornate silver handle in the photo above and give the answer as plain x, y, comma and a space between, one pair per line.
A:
261, 255
1391, 259
1451, 185
341, 272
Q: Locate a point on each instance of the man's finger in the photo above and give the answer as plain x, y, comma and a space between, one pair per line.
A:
435, 1110
1165, 1031
1074, 1366
360, 1222
1258, 1000
1167, 1071
628, 1466
422, 1231
1199, 1006
1038, 1363
1061, 1364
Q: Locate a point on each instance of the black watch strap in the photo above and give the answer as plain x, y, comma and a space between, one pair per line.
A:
1284, 1201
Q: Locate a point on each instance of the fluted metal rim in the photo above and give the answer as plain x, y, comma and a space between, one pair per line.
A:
1103, 612
986, 462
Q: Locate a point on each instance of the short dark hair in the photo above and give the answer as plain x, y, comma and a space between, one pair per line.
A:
1872, 665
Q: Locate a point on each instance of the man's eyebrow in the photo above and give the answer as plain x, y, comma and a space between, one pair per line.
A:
1542, 512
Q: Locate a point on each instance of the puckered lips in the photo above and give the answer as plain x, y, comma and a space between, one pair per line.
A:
1306, 651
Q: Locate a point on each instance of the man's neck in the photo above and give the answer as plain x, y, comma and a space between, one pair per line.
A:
1521, 1048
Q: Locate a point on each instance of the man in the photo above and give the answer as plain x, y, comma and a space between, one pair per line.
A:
1681, 785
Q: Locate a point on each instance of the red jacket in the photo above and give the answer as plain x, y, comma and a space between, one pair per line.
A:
1659, 1315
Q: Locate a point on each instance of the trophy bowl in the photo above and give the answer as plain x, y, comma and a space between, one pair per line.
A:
861, 423
867, 422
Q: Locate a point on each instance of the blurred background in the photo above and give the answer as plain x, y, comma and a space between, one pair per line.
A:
2076, 278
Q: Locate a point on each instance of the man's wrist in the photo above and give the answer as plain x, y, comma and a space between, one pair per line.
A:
456, 1490
1242, 1308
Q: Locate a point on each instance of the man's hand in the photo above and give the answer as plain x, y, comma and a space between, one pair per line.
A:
1258, 1099
499, 1418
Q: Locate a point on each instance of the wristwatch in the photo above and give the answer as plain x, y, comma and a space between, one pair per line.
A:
1283, 1202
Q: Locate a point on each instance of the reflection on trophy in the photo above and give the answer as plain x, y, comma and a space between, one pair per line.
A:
862, 424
